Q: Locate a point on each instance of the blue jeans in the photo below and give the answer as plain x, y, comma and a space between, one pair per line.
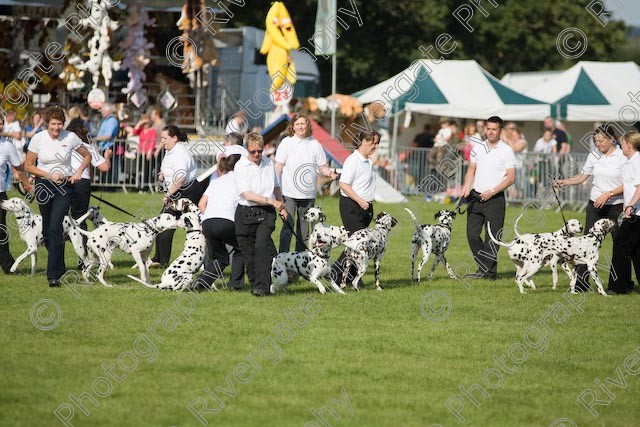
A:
54, 201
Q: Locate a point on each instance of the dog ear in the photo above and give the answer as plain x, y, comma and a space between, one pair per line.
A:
187, 222
323, 218
437, 215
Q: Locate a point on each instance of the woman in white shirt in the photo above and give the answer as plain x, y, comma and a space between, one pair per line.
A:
298, 160
178, 175
218, 206
605, 165
627, 245
55, 179
260, 200
357, 190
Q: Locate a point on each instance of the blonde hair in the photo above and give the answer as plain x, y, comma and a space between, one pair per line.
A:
633, 138
74, 113
253, 138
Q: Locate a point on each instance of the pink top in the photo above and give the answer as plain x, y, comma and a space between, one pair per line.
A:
147, 142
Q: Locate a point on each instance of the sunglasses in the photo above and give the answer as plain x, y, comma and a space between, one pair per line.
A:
255, 151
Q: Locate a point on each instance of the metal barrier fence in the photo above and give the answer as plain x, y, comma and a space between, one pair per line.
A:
432, 172
131, 170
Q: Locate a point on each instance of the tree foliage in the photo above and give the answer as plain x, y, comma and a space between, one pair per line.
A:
515, 36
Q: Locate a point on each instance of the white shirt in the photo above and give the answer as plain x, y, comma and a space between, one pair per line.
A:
96, 159
544, 147
491, 164
8, 156
222, 197
357, 171
177, 163
607, 173
259, 179
301, 159
55, 154
14, 127
631, 180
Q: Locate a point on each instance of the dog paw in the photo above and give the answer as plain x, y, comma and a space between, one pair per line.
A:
272, 289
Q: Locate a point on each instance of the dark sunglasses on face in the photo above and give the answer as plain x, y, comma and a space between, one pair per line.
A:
255, 151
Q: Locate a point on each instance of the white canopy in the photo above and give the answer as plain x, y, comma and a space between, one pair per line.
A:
453, 88
592, 91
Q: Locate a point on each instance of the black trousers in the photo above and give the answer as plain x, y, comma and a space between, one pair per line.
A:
354, 218
6, 259
220, 232
164, 240
254, 226
594, 214
485, 252
626, 250
296, 208
54, 201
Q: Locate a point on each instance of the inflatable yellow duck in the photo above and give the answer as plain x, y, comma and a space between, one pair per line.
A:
279, 39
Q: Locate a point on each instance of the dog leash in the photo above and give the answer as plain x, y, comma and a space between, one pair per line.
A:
114, 206
286, 223
553, 188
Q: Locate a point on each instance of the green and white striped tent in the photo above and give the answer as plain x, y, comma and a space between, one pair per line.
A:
593, 91
452, 88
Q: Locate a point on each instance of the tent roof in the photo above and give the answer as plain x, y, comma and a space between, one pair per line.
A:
523, 81
454, 89
591, 91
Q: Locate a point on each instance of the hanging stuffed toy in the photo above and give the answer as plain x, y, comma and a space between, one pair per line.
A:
137, 52
197, 41
99, 59
280, 37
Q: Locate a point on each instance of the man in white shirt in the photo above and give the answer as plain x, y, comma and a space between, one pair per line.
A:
491, 171
298, 160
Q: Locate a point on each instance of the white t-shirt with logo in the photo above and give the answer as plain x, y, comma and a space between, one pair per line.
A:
8, 156
631, 180
222, 198
301, 159
606, 172
491, 164
259, 179
55, 154
357, 171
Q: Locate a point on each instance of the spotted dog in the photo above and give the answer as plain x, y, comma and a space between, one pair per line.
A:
316, 218
133, 238
365, 245
312, 264
524, 246
178, 276
432, 239
572, 251
30, 226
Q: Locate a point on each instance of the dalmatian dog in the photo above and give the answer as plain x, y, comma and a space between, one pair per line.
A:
432, 239
523, 246
133, 238
316, 218
572, 251
178, 276
365, 245
312, 264
30, 226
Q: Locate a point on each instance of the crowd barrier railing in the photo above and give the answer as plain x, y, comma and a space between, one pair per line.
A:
432, 172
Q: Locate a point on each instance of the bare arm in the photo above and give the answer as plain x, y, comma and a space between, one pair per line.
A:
18, 171
327, 171
574, 180
279, 167
106, 165
202, 204
506, 182
86, 161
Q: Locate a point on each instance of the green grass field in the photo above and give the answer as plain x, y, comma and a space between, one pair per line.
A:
441, 352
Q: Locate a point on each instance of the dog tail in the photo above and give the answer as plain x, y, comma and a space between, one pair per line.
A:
496, 241
416, 224
515, 226
76, 224
137, 279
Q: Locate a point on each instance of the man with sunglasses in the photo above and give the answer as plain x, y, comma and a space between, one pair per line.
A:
259, 201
